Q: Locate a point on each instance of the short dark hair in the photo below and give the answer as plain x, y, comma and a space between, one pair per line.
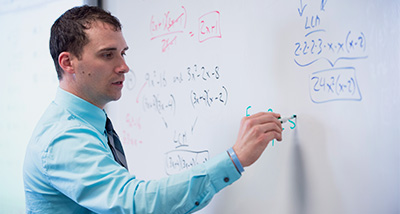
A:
68, 31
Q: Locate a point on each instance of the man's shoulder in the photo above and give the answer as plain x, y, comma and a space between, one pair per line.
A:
58, 123
61, 133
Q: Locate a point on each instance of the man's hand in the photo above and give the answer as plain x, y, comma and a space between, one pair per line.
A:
255, 132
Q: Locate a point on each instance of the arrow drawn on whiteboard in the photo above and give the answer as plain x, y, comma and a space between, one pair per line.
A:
323, 3
165, 123
194, 124
301, 9
137, 98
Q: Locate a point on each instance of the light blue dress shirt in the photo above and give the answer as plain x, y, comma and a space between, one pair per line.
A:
69, 168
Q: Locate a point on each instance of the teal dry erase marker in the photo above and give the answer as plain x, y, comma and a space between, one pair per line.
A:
285, 119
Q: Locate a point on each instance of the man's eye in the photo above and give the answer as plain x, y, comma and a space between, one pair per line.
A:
108, 55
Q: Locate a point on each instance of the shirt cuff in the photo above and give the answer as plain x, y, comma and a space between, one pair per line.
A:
222, 171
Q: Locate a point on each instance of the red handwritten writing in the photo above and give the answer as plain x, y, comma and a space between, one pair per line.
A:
209, 26
169, 23
128, 139
166, 43
133, 122
168, 26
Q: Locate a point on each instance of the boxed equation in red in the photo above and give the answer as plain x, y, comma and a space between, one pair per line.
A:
209, 26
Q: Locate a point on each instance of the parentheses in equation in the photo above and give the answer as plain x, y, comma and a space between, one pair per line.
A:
336, 84
226, 97
207, 98
354, 84
173, 103
184, 9
364, 41
156, 103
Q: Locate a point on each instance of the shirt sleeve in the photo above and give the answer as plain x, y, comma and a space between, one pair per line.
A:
80, 166
189, 191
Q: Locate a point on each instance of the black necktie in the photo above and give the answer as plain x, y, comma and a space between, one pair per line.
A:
115, 144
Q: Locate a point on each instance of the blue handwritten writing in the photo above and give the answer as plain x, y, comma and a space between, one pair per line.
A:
332, 83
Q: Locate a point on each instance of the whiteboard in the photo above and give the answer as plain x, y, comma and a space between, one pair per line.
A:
198, 67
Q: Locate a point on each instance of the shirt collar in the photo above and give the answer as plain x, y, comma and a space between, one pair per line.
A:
82, 108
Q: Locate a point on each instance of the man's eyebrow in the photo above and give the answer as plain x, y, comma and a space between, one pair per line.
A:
107, 49
112, 49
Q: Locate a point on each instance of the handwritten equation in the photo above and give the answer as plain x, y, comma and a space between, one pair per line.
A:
159, 103
209, 26
160, 93
332, 83
163, 103
169, 23
133, 125
331, 52
209, 98
169, 26
180, 160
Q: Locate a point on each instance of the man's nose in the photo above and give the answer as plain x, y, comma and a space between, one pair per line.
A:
123, 67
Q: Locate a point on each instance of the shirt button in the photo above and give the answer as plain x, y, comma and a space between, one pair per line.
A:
197, 203
226, 179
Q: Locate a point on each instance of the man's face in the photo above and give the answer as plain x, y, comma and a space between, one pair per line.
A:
99, 73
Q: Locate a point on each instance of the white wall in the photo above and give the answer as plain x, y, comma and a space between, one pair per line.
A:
28, 85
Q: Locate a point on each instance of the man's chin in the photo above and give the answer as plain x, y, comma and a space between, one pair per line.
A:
117, 97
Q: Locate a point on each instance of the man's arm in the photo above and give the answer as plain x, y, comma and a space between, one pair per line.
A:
87, 173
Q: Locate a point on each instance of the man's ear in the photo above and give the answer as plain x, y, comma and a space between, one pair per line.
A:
65, 62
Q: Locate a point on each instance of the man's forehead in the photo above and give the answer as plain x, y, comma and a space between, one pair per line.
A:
103, 35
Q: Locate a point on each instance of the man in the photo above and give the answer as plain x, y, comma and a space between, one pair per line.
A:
70, 165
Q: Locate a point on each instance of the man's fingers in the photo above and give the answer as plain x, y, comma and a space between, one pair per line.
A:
256, 131
271, 127
264, 115
269, 136
260, 118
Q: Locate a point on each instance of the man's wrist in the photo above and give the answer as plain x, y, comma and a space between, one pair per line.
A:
235, 160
